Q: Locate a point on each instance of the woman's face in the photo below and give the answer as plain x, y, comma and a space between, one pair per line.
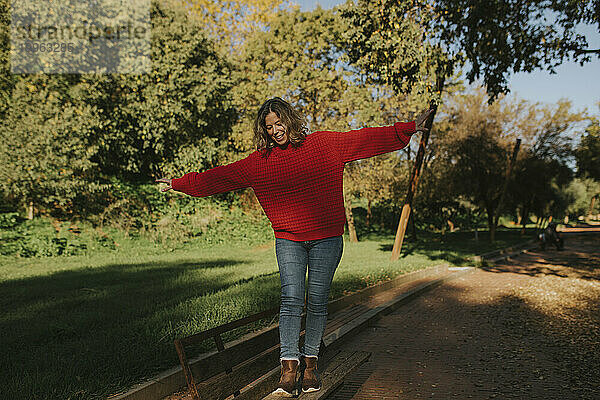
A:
276, 129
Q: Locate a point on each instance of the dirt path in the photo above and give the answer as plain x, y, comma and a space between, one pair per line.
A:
524, 329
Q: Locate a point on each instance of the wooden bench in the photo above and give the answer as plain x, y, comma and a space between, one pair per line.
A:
249, 368
248, 363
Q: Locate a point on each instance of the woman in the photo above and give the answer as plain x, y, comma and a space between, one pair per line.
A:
297, 178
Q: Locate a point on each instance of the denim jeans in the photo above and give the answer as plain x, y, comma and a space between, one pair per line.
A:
322, 257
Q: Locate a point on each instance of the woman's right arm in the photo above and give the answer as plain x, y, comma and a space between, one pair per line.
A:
225, 178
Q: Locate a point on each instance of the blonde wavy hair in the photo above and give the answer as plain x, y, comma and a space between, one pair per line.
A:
294, 122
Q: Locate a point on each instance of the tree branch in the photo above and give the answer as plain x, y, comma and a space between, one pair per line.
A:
586, 51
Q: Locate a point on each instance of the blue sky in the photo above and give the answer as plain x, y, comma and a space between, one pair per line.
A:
580, 84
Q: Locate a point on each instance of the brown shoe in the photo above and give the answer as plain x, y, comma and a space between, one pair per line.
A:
311, 379
288, 381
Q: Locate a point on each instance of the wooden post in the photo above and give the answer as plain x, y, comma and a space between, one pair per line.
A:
414, 178
350, 218
401, 231
186, 370
29, 209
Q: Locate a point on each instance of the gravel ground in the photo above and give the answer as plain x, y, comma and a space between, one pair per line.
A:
528, 328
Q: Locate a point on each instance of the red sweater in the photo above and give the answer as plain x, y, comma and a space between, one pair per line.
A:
300, 188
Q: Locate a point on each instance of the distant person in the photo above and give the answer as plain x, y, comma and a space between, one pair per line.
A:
551, 236
297, 178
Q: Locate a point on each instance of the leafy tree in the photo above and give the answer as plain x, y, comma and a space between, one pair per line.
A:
44, 146
581, 197
230, 23
407, 42
382, 180
387, 40
183, 100
544, 167
478, 150
65, 135
587, 153
503, 37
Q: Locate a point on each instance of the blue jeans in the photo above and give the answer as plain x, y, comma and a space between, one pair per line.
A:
322, 257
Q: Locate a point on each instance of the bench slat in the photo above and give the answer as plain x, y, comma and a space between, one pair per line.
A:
223, 385
219, 362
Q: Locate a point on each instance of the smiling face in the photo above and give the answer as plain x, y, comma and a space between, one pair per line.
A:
275, 129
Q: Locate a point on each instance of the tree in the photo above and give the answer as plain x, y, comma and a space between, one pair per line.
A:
406, 43
503, 37
230, 23
580, 196
544, 167
479, 150
587, 153
181, 102
44, 146
66, 135
380, 180
387, 41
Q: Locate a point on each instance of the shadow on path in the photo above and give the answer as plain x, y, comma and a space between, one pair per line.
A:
510, 333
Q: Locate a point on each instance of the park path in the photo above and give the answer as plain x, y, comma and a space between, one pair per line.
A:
526, 328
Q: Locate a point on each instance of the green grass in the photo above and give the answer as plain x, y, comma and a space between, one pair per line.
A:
85, 327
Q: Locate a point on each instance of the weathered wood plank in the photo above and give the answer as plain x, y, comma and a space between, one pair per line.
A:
223, 385
237, 352
217, 330
334, 378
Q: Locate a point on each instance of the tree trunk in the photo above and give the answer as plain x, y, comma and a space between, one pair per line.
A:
368, 220
413, 227
30, 210
350, 219
524, 217
592, 206
491, 225
506, 180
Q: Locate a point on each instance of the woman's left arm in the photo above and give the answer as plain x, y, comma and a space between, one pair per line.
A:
369, 142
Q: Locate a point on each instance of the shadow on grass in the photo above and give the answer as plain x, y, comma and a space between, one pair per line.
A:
90, 332
457, 247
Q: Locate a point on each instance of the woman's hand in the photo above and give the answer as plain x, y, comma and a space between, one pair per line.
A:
420, 121
164, 180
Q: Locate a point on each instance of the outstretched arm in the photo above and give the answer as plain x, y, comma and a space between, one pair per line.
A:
216, 180
369, 142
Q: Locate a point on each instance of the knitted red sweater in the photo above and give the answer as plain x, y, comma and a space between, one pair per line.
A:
300, 188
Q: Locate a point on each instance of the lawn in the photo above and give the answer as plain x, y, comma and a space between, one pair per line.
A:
84, 327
